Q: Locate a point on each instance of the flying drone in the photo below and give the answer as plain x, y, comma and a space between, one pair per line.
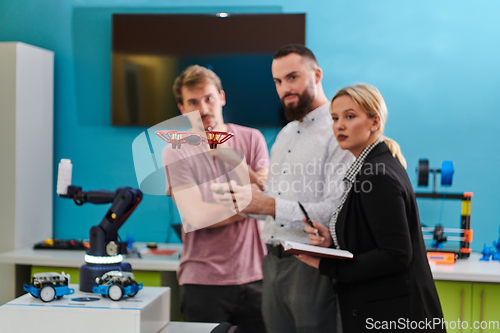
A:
213, 138
178, 138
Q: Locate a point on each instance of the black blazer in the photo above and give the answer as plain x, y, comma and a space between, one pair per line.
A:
389, 279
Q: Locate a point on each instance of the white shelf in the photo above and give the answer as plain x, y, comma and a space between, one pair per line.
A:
26, 141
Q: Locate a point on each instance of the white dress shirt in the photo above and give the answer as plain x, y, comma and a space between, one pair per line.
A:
307, 166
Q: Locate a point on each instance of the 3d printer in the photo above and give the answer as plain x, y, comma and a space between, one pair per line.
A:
437, 252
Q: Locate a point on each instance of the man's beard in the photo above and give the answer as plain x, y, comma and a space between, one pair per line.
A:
301, 108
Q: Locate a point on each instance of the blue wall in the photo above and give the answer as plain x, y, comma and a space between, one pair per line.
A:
436, 63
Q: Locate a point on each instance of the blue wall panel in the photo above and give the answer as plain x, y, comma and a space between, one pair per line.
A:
436, 63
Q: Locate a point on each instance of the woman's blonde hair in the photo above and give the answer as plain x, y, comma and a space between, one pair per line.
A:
370, 99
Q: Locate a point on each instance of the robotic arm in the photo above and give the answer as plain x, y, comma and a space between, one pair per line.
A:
104, 237
105, 252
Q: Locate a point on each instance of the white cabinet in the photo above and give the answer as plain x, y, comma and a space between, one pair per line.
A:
147, 312
26, 150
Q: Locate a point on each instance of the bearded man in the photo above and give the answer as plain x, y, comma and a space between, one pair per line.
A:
307, 166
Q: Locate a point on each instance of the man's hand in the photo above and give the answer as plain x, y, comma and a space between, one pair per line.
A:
235, 158
198, 214
226, 194
248, 199
260, 203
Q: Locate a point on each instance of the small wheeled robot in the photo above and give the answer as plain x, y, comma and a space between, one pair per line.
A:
116, 284
48, 286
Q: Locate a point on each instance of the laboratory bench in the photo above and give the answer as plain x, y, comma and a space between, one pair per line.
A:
81, 312
469, 290
153, 270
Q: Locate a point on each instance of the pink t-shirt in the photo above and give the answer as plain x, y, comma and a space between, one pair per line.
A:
227, 255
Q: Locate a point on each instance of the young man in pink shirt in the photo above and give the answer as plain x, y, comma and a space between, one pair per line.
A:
220, 273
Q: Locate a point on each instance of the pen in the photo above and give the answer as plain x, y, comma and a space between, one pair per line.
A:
307, 216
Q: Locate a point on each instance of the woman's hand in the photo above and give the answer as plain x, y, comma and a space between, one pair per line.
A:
310, 260
319, 235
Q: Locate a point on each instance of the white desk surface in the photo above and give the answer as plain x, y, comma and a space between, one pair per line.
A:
179, 327
75, 258
96, 302
137, 303
147, 312
470, 269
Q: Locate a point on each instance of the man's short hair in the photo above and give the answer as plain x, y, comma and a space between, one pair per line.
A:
299, 49
193, 76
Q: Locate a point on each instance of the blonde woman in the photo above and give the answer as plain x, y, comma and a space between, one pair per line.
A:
388, 284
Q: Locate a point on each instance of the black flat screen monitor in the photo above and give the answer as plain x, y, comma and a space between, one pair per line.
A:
150, 50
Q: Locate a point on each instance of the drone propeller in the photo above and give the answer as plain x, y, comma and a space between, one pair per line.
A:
177, 138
